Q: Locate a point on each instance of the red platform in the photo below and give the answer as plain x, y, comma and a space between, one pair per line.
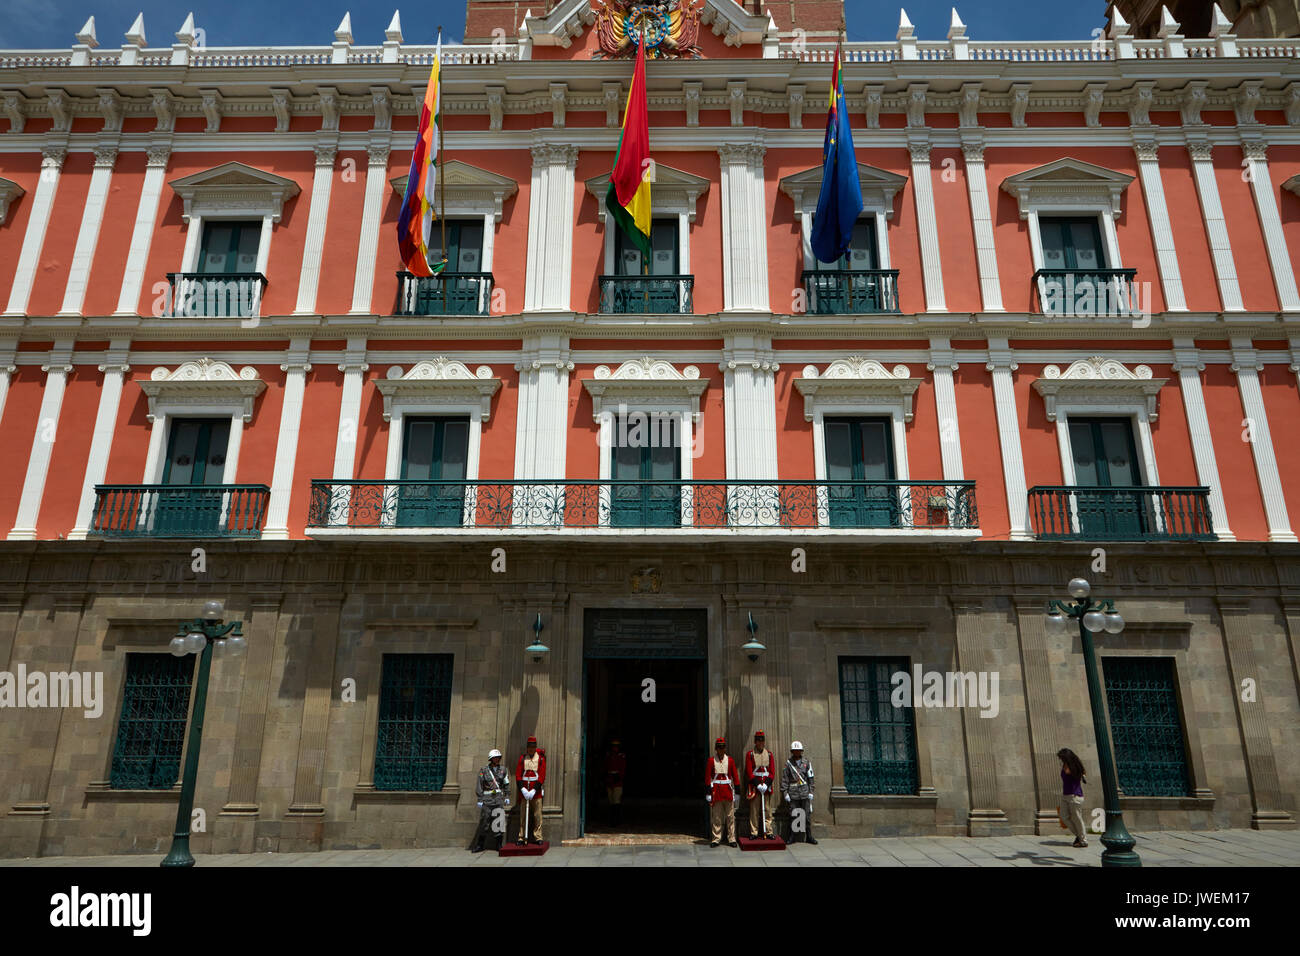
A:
528, 849
773, 843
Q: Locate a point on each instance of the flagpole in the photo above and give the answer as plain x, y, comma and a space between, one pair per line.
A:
442, 161
645, 260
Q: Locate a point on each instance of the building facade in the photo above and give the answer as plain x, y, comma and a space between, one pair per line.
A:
1065, 342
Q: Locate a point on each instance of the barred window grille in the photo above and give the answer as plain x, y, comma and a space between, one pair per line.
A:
414, 714
1146, 726
879, 738
151, 731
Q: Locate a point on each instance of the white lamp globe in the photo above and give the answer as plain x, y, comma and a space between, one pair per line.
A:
1056, 623
177, 647
194, 642
1114, 623
213, 610
1079, 588
1094, 621
236, 646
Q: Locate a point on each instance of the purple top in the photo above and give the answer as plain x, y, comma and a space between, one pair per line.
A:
1070, 784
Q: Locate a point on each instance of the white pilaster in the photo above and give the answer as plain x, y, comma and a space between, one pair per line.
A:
749, 402
101, 442
286, 445
354, 370
1215, 226
918, 144
1188, 365
548, 285
47, 423
92, 216
146, 217
314, 246
34, 238
1013, 459
744, 228
541, 431
1162, 233
986, 254
1261, 186
363, 285
8, 351
943, 362
1245, 362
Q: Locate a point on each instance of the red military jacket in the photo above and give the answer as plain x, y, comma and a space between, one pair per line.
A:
722, 789
541, 772
615, 768
756, 775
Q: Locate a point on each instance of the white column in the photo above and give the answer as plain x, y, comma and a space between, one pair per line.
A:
92, 216
1261, 186
146, 217
1215, 227
101, 442
943, 362
986, 254
8, 351
296, 368
363, 285
749, 401
1162, 233
34, 238
354, 370
1188, 365
38, 462
317, 218
744, 228
926, 225
1245, 362
550, 229
541, 430
1013, 459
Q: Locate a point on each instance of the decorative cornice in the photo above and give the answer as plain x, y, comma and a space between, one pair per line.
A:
1067, 181
203, 382
1098, 380
644, 382
857, 380
878, 186
439, 381
673, 191
234, 186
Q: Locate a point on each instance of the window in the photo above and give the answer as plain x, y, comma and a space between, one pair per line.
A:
434, 451
414, 719
229, 247
1071, 243
151, 731
879, 738
861, 450
464, 245
1146, 726
862, 254
648, 448
663, 251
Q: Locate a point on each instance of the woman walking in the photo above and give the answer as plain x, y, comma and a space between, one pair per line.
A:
1072, 778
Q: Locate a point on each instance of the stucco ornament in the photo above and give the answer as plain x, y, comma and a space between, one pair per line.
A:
671, 28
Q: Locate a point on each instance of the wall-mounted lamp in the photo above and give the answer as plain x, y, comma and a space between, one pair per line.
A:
537, 649
752, 648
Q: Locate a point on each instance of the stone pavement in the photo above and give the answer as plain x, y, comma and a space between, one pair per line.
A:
1160, 848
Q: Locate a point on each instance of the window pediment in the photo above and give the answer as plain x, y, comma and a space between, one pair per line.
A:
1067, 184
469, 190
1099, 382
203, 383
234, 189
879, 188
644, 383
673, 192
439, 381
857, 381
9, 191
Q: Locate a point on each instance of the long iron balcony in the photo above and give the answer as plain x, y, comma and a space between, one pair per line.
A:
179, 511
197, 295
692, 506
1089, 293
1157, 513
641, 295
858, 292
449, 293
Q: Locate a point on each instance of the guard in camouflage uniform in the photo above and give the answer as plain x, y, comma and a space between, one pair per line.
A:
492, 791
797, 788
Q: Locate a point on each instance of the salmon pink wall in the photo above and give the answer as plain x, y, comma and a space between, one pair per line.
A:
25, 170
1282, 404
981, 454
342, 234
115, 234
72, 438
1191, 242
1240, 482
1248, 250
61, 234
17, 430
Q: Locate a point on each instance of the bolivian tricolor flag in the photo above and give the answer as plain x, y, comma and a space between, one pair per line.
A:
628, 199
415, 221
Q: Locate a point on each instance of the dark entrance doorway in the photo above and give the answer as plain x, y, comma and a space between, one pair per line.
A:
631, 656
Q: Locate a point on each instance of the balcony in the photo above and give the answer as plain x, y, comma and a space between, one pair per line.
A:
179, 511
641, 295
195, 295
859, 292
1089, 293
891, 507
450, 293
1121, 514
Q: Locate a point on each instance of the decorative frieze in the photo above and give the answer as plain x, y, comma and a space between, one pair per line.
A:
1098, 381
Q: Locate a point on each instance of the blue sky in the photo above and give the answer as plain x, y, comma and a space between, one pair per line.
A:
52, 23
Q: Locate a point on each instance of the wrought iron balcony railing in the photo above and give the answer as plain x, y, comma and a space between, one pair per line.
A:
1089, 293
450, 293
639, 295
695, 505
857, 292
1159, 513
179, 511
196, 295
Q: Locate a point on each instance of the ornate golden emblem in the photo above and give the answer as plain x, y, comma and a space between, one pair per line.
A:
670, 28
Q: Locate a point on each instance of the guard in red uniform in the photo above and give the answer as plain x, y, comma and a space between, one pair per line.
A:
760, 776
530, 776
615, 770
723, 785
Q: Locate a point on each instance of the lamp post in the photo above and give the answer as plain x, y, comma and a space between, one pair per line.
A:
1093, 615
199, 636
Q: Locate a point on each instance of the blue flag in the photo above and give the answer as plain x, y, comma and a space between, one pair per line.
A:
840, 202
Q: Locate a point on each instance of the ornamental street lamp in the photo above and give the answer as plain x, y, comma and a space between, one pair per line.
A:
1093, 615
537, 649
201, 636
753, 648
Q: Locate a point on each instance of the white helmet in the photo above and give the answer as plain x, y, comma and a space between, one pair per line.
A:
796, 746
493, 753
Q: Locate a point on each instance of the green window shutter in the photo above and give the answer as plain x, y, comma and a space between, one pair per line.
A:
229, 246
1146, 726
646, 450
151, 729
861, 450
414, 717
879, 738
1071, 243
